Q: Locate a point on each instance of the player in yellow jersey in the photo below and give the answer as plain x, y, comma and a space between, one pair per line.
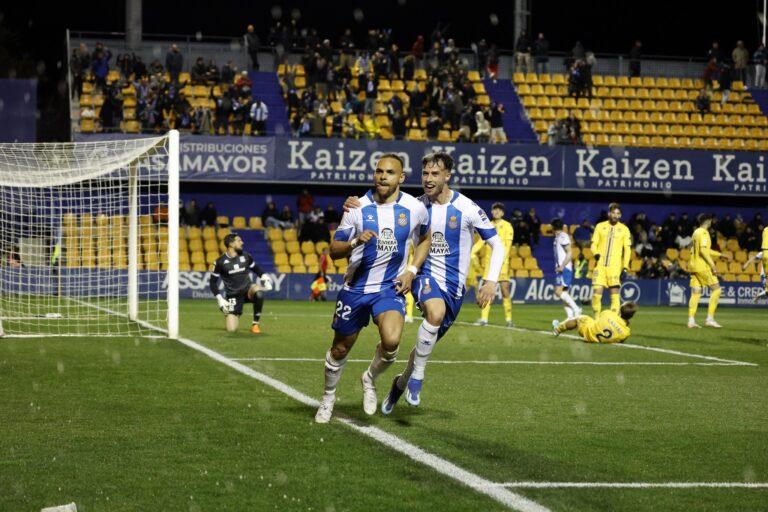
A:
409, 301
611, 248
506, 232
703, 272
607, 327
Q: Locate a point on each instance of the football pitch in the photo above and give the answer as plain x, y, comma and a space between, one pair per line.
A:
511, 419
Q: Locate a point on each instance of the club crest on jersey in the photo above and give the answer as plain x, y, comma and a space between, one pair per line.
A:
439, 246
453, 222
402, 220
386, 241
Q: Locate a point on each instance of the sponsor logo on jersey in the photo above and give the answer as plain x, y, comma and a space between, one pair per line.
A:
482, 214
242, 259
402, 220
439, 246
453, 222
236, 267
386, 241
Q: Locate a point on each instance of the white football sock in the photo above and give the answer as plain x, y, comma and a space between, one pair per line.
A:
568, 312
333, 369
569, 301
381, 361
424, 346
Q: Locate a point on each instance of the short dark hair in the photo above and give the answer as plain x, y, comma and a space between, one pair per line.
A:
628, 310
396, 157
704, 217
500, 206
229, 239
557, 223
614, 206
437, 157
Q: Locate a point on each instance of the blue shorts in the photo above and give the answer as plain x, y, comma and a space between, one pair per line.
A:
425, 288
354, 310
564, 278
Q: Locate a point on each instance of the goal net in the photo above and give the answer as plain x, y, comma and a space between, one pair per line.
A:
89, 238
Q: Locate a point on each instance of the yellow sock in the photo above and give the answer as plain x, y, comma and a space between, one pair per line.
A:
693, 304
409, 304
713, 300
597, 302
507, 309
485, 312
615, 302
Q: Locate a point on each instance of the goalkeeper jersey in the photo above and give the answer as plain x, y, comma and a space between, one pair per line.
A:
235, 272
613, 243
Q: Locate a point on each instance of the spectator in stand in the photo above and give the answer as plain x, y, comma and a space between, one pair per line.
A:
332, 217
100, 66
534, 223
252, 45
703, 102
481, 55
541, 53
635, 58
192, 216
228, 72
465, 125
483, 132
212, 73
749, 240
371, 93
497, 124
580, 267
174, 62
199, 70
259, 115
182, 112
434, 124
523, 53
715, 53
112, 110
522, 234
516, 217
243, 85
760, 57
710, 73
415, 105
757, 223
726, 226
643, 247
725, 82
492, 68
125, 64
582, 235
740, 56
225, 105
270, 217
286, 216
417, 50
683, 239
651, 268
241, 115
305, 202
79, 64
686, 224
139, 68
209, 215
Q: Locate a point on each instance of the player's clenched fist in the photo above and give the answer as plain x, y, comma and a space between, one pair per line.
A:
366, 237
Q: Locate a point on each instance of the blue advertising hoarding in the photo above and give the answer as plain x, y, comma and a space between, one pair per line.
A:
505, 166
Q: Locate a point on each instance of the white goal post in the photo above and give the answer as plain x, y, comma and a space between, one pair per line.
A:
89, 238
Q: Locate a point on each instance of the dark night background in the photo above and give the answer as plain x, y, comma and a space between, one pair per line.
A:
32, 33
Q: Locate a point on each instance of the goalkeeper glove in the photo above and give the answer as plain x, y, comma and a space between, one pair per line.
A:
597, 258
266, 283
623, 276
223, 304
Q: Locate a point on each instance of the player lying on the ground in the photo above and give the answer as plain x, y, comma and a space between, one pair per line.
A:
376, 238
703, 272
607, 327
482, 251
234, 268
759, 258
564, 268
439, 288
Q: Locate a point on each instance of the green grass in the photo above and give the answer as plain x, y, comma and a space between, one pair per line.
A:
137, 424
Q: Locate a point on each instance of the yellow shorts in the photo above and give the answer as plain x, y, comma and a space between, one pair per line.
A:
586, 327
607, 277
703, 279
503, 275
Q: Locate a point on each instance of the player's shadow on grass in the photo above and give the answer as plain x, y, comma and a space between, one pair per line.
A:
748, 341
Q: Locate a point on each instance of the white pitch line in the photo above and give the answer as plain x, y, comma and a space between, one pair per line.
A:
633, 485
732, 362
497, 362
476, 482
500, 494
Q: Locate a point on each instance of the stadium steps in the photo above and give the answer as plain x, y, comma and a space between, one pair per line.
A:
258, 247
516, 124
545, 256
266, 87
761, 99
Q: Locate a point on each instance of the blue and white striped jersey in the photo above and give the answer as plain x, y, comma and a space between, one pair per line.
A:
374, 266
453, 226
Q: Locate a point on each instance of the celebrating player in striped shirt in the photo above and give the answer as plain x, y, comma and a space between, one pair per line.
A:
376, 237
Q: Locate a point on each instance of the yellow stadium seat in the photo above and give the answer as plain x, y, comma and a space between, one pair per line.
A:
279, 246
750, 269
530, 263
296, 259
211, 246
293, 247
743, 278
516, 263
635, 265
512, 251
274, 234
732, 245
198, 267
290, 235
222, 232
536, 273
211, 257
521, 273
196, 245
197, 257
284, 269
307, 247
209, 233
672, 254
321, 246
524, 251
740, 256
222, 220
298, 269
310, 259
281, 259
255, 223
734, 267
238, 222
